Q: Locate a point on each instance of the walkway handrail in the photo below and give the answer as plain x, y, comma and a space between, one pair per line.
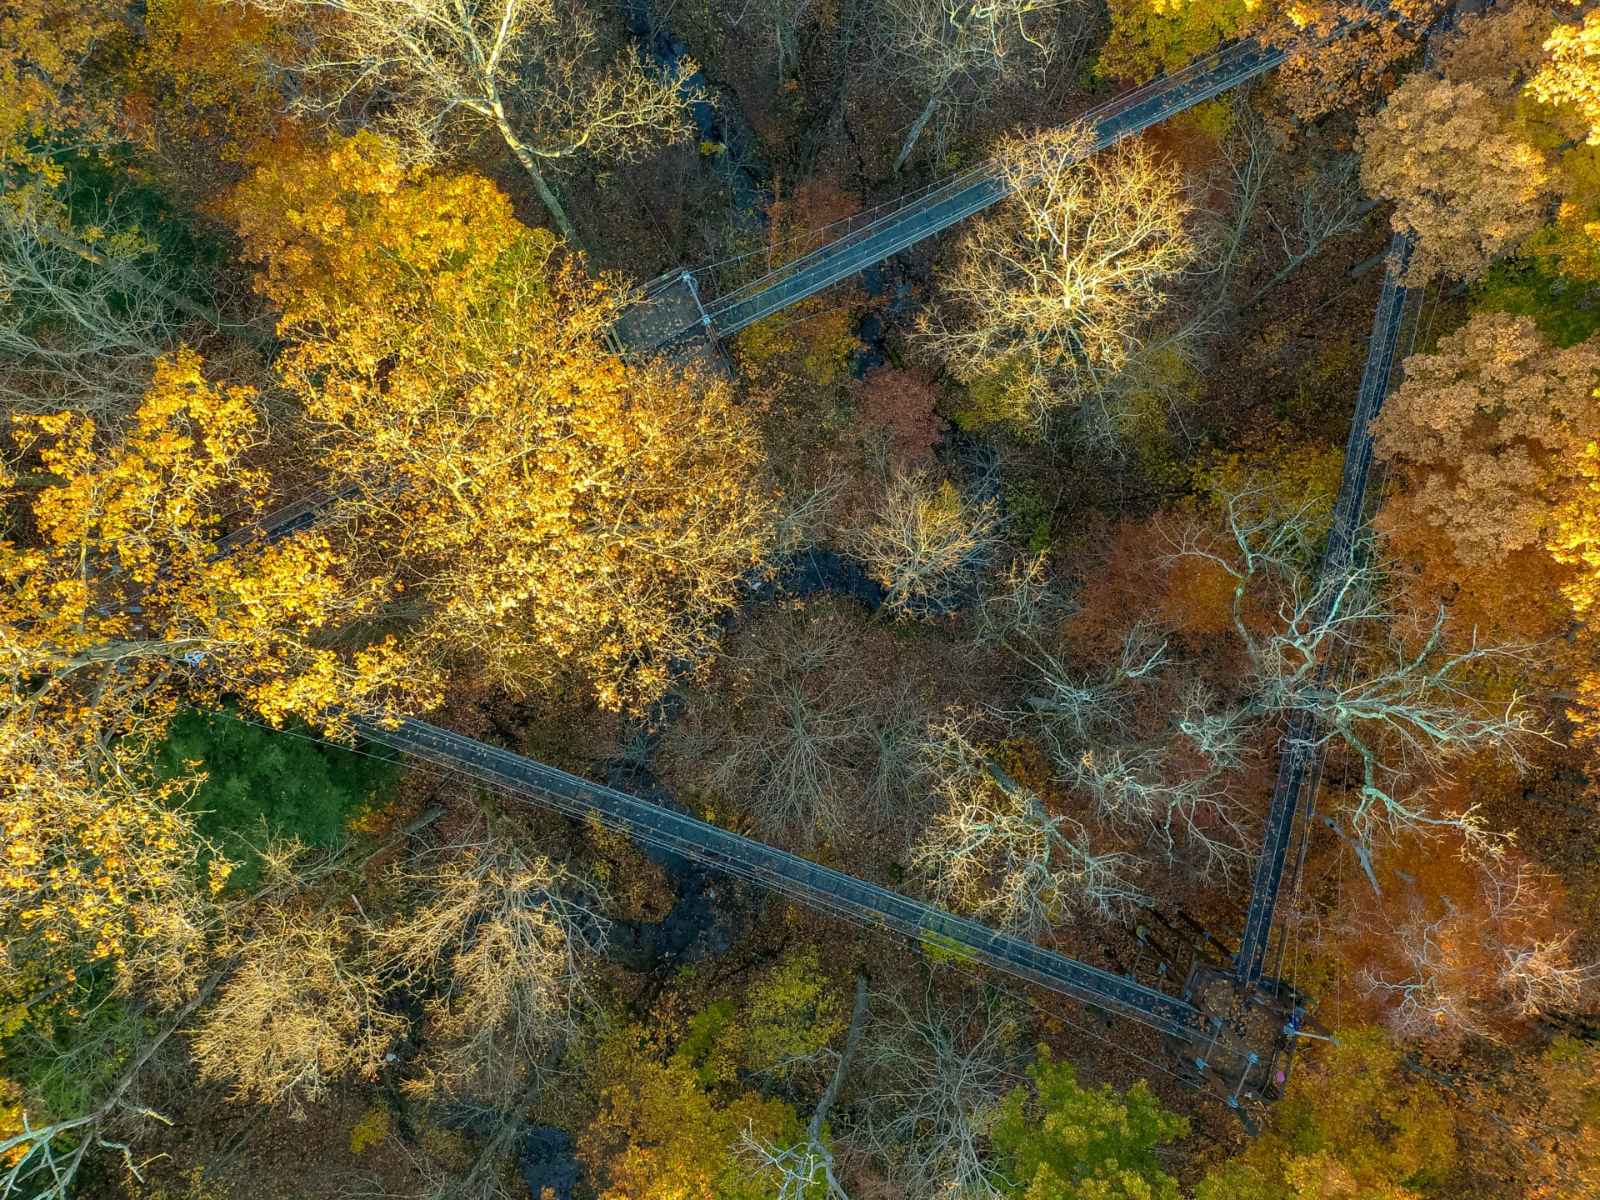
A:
816, 885
1300, 752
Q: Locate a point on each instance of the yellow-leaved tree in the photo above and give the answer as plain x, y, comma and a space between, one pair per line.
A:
1570, 74
114, 584
100, 862
555, 515
46, 47
119, 603
1574, 541
116, 605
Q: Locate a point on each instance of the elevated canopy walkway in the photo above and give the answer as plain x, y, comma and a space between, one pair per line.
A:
1300, 750
1231, 1028
683, 302
1234, 1047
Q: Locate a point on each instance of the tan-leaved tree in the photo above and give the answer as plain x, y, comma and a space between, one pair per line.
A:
529, 69
1466, 184
1485, 440
505, 937
302, 1010
1048, 293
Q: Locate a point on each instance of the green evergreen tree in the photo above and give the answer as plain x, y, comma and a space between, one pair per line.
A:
266, 783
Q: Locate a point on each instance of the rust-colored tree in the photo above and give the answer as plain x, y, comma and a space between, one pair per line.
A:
1453, 944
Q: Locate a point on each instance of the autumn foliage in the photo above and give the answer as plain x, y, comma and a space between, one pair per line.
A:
1487, 436
550, 512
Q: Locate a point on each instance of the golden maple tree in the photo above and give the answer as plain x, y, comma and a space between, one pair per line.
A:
1570, 74
100, 862
120, 585
554, 513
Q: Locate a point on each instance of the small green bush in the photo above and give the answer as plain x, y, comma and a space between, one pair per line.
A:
263, 783
1565, 310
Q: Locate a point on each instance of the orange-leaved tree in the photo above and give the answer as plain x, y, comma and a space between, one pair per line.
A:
555, 514
202, 78
1443, 942
1485, 439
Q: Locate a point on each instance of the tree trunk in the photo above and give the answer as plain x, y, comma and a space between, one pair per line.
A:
530, 164
858, 1021
139, 279
915, 131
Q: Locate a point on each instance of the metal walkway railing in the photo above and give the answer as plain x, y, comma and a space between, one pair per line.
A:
815, 885
1300, 751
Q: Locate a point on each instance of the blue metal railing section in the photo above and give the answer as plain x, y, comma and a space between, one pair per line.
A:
809, 882
1300, 749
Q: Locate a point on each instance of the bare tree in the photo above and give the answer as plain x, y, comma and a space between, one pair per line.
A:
1089, 724
1020, 604
804, 1170
301, 1010
934, 1077
948, 45
783, 21
1329, 203
797, 732
41, 1162
926, 542
72, 337
995, 850
1411, 700
1050, 292
1449, 970
508, 936
528, 68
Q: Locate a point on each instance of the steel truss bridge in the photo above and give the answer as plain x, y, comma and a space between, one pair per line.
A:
1230, 1028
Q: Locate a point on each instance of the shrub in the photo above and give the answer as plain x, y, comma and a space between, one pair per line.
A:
263, 783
